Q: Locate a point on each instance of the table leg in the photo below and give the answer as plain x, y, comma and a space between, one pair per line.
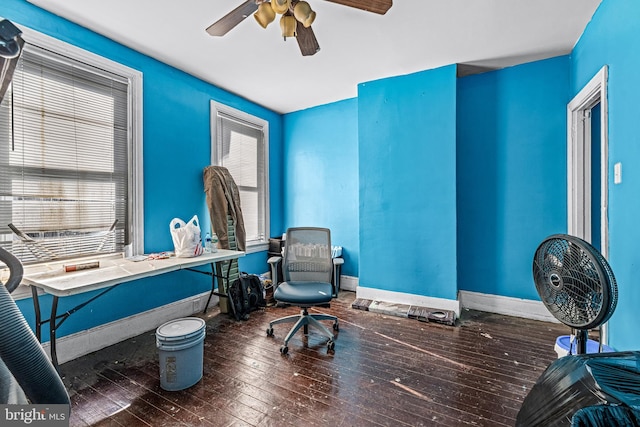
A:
36, 308
220, 277
213, 287
52, 333
55, 321
51, 321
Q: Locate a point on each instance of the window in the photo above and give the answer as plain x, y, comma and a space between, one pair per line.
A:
239, 142
70, 155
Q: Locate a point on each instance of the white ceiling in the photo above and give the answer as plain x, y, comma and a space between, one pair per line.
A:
356, 46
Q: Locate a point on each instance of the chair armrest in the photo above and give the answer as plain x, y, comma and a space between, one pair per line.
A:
338, 261
274, 261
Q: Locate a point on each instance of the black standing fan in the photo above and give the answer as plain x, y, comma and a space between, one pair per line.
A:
575, 283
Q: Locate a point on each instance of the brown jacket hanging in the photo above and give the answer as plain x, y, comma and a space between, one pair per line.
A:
223, 198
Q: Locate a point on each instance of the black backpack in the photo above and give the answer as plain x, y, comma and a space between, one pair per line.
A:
246, 294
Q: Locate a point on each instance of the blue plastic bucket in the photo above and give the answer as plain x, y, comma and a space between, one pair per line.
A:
564, 343
181, 352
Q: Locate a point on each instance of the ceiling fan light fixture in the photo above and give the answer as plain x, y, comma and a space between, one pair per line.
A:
288, 26
264, 15
280, 6
303, 13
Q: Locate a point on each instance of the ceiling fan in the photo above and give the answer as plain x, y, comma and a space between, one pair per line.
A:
295, 21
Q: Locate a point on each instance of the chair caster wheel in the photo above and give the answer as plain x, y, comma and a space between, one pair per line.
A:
269, 332
284, 350
336, 327
331, 345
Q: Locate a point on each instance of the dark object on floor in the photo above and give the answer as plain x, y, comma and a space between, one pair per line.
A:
246, 294
567, 391
427, 314
423, 314
361, 304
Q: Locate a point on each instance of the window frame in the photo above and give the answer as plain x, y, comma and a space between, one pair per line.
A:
216, 109
134, 133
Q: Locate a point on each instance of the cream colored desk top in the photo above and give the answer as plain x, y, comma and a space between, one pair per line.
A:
52, 279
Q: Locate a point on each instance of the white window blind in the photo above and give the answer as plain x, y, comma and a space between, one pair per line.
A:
64, 159
240, 146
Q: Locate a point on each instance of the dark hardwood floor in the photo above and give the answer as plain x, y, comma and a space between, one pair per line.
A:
386, 371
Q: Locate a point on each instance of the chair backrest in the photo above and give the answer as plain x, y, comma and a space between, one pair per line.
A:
307, 255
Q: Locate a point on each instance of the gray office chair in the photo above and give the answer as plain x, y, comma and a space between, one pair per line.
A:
307, 268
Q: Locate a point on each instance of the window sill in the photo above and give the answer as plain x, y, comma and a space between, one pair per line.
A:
259, 247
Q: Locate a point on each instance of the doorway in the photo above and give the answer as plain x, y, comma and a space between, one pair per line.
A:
587, 166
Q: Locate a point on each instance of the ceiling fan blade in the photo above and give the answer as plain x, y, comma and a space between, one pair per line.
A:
306, 40
233, 18
376, 6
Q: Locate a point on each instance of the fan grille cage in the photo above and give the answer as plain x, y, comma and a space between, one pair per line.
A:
574, 281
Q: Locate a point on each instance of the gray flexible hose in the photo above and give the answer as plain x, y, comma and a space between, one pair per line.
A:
15, 269
20, 350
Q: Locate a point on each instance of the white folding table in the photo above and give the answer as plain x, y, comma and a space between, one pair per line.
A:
51, 278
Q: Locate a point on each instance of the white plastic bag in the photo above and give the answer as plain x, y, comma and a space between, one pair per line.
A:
186, 237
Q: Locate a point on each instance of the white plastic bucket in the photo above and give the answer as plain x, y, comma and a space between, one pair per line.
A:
181, 351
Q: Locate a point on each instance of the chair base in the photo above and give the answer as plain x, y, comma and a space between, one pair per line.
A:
304, 320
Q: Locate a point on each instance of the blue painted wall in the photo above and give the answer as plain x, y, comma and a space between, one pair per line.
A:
407, 173
613, 38
449, 174
511, 151
176, 149
321, 176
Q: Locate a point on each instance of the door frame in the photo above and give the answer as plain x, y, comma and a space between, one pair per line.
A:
579, 157
579, 165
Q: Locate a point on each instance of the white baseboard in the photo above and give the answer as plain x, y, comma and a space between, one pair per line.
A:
80, 343
529, 309
409, 299
348, 283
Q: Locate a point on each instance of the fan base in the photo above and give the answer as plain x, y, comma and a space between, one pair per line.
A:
565, 345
